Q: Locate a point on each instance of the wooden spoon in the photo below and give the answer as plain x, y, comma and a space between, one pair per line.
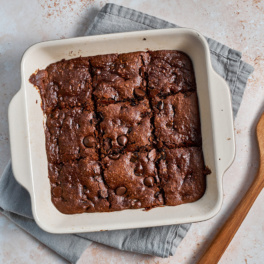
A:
226, 234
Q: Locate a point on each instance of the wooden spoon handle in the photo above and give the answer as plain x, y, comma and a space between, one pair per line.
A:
225, 235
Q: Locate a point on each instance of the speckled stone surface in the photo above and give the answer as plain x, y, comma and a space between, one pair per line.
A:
239, 24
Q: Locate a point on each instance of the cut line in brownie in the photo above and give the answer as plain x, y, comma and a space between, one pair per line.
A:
125, 126
78, 187
132, 180
170, 72
119, 77
67, 83
71, 134
182, 174
176, 120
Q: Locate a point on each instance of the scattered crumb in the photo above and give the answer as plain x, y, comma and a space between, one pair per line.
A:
57, 8
219, 158
36, 101
228, 138
144, 39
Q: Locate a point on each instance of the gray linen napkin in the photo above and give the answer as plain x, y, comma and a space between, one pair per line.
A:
158, 241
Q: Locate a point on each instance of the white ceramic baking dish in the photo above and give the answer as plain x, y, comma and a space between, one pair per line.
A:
29, 160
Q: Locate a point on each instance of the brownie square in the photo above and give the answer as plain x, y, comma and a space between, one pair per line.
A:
132, 180
125, 126
78, 187
170, 72
67, 83
71, 134
119, 77
182, 175
177, 121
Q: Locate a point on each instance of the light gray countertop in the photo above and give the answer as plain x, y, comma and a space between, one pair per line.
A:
238, 24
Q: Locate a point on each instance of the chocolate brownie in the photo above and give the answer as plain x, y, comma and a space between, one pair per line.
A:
182, 174
122, 131
176, 120
65, 84
132, 180
119, 77
71, 134
125, 126
78, 187
170, 72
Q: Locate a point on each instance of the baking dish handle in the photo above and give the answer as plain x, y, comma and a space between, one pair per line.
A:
224, 126
19, 140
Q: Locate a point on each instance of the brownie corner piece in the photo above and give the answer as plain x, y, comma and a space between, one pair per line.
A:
63, 84
78, 187
132, 180
125, 126
182, 174
169, 72
118, 78
177, 120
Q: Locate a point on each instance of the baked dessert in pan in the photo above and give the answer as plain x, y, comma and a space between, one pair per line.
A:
122, 131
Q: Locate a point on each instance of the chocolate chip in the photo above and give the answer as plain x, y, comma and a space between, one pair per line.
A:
160, 105
114, 156
149, 181
103, 193
57, 192
122, 140
121, 190
139, 93
89, 142
138, 169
